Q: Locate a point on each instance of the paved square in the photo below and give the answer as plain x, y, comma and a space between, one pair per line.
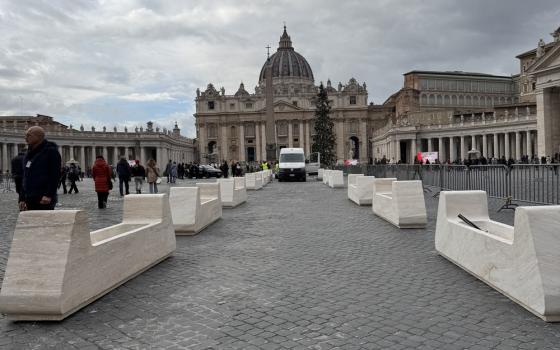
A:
298, 266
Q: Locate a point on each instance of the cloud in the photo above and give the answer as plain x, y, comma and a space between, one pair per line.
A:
126, 62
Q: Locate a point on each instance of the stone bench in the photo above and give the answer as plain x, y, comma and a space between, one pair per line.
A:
336, 179
232, 191
522, 262
253, 181
320, 174
399, 202
56, 266
194, 208
360, 188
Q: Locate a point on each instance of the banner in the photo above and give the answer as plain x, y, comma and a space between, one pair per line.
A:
431, 156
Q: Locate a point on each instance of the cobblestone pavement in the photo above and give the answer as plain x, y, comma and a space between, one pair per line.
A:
297, 267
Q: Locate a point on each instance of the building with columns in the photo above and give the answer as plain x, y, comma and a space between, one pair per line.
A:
232, 126
84, 145
455, 112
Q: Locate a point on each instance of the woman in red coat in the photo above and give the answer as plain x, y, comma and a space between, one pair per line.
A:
101, 173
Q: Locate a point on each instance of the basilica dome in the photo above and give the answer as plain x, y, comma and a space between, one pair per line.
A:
287, 64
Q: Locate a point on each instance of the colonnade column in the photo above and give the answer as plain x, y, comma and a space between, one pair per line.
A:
496, 146
397, 150
241, 156
441, 150
529, 145
71, 152
142, 156
473, 142
105, 154
517, 145
83, 158
485, 146
412, 150
4, 157
506, 143
430, 146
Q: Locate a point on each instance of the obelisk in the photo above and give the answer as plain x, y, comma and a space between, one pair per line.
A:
269, 126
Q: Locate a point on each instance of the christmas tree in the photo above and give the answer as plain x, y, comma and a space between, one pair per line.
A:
324, 139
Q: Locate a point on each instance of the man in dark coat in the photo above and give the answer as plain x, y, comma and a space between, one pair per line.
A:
123, 170
41, 172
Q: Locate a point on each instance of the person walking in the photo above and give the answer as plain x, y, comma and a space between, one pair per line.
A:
102, 176
123, 171
73, 176
17, 170
62, 179
41, 172
167, 171
152, 175
138, 173
173, 172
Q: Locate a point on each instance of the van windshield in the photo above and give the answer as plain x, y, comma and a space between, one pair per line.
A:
291, 158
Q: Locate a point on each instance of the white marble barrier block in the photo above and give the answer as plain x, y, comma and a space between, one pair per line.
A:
320, 174
522, 262
195, 208
56, 266
232, 191
326, 175
336, 179
400, 202
253, 181
360, 188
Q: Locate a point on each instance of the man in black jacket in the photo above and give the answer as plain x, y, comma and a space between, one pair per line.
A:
41, 172
123, 170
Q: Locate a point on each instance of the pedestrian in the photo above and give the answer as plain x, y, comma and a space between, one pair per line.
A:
139, 173
152, 175
62, 179
173, 172
102, 176
17, 170
41, 172
73, 176
167, 171
123, 171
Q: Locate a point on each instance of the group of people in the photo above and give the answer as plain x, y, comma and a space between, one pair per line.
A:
38, 174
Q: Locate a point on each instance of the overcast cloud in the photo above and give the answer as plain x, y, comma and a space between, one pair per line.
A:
118, 63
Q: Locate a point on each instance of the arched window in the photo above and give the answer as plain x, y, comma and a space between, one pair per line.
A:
439, 100
461, 100
475, 101
423, 99
453, 100
447, 101
468, 101
432, 100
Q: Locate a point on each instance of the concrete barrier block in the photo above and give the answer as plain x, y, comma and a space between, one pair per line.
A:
360, 188
402, 205
522, 262
320, 173
253, 181
56, 266
233, 191
336, 179
195, 208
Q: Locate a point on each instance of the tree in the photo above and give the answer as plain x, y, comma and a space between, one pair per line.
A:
324, 140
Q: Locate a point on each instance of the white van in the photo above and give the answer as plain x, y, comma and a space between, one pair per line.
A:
291, 164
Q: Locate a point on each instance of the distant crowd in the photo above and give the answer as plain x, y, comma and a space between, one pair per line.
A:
481, 160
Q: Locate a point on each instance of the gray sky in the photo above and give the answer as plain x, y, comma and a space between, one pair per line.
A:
126, 62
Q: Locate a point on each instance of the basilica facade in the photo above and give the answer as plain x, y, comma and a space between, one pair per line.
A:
232, 126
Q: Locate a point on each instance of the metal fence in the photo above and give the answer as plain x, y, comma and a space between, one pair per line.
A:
6, 183
534, 183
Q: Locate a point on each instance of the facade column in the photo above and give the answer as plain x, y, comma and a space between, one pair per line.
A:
473, 142
202, 145
241, 156
83, 158
413, 150
224, 145
441, 150
529, 145
506, 143
264, 141
484, 145
462, 147
301, 143
258, 153
397, 150
496, 146
308, 137
430, 145
452, 149
105, 154
4, 157
517, 145
364, 142
339, 140
290, 134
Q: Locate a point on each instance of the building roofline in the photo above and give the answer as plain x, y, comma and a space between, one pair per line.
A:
457, 73
534, 51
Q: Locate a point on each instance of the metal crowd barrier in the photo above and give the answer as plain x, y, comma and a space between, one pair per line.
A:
6, 183
532, 183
